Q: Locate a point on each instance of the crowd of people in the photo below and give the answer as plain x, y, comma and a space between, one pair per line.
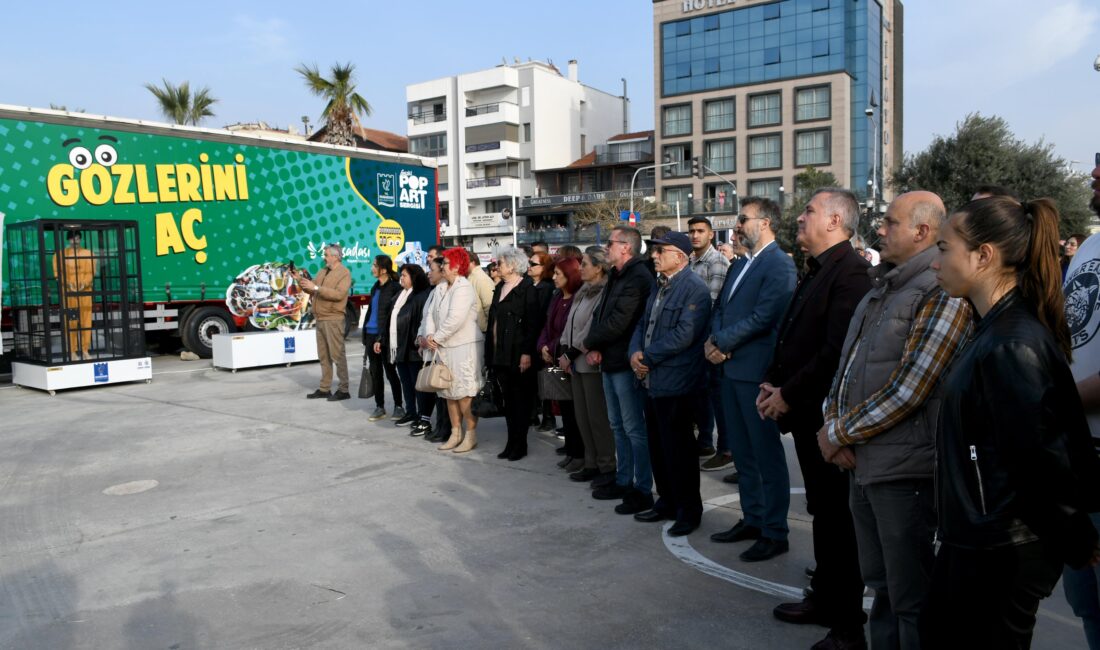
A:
940, 432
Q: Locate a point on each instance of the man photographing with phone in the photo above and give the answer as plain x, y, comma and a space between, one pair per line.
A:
330, 298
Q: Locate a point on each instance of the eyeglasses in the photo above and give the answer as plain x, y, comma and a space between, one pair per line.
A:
534, 264
615, 241
741, 219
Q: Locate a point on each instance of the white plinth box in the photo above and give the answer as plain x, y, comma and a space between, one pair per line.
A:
80, 375
255, 349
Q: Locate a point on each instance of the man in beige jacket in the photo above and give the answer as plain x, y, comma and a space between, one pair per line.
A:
330, 298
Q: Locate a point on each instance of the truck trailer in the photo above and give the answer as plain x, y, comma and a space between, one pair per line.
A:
210, 204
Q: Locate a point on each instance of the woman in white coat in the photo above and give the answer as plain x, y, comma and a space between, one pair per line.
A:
458, 340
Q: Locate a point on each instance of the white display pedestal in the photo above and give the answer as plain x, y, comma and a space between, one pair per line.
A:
79, 375
255, 349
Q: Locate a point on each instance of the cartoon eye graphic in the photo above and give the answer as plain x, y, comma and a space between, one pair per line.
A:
80, 157
106, 155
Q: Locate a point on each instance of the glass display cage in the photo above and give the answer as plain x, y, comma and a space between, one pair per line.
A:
74, 288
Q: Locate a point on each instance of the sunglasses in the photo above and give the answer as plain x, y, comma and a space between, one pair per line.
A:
741, 219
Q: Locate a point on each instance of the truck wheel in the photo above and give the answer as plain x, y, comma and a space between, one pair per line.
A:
201, 326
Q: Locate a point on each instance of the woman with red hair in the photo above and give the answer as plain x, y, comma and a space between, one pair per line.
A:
567, 279
458, 340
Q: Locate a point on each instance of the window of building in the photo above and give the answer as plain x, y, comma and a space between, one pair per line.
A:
497, 205
718, 115
771, 55
678, 195
820, 5
719, 197
680, 153
572, 184
765, 152
812, 147
526, 131
677, 120
812, 104
771, 11
764, 109
710, 23
821, 48
720, 155
767, 188
429, 145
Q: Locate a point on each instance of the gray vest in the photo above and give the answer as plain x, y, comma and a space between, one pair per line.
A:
883, 321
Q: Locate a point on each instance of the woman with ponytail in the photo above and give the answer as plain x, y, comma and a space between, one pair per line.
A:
1015, 476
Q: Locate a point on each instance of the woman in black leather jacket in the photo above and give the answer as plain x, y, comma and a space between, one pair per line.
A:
515, 320
1015, 473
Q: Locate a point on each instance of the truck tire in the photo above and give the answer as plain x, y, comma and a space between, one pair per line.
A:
201, 326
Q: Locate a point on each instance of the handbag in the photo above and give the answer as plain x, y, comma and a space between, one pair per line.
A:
489, 401
366, 386
434, 377
555, 384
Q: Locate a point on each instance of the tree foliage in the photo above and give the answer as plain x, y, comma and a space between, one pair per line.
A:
605, 214
180, 105
983, 150
344, 104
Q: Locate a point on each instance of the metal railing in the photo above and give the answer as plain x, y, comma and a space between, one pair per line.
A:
482, 109
696, 207
606, 154
489, 181
427, 117
485, 146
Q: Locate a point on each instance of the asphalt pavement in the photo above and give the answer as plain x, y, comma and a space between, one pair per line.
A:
211, 509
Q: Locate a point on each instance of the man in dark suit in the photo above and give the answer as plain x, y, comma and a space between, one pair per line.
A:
807, 354
757, 289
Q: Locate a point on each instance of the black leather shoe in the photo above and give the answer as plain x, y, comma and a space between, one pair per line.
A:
560, 451
634, 502
603, 480
732, 477
586, 474
318, 394
838, 639
610, 492
739, 533
803, 612
765, 549
506, 453
339, 395
651, 516
681, 528
517, 454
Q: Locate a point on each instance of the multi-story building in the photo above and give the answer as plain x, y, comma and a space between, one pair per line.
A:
489, 130
762, 90
600, 180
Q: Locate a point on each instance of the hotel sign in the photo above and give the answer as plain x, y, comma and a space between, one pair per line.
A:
698, 5
581, 197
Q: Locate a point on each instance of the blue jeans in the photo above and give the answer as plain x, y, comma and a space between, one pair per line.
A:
1082, 587
625, 408
765, 485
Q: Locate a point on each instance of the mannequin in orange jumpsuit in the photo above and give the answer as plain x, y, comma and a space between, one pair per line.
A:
76, 281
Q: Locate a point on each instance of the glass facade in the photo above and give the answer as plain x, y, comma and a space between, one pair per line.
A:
864, 63
754, 44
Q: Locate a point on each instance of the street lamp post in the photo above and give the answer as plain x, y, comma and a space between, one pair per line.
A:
873, 181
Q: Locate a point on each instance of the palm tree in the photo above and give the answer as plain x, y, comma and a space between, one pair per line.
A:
344, 104
179, 105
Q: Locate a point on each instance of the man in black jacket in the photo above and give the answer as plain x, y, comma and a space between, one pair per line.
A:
807, 354
382, 296
613, 323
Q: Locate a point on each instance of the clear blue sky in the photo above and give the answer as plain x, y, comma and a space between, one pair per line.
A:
1029, 62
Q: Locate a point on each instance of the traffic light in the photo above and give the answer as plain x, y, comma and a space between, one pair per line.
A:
697, 167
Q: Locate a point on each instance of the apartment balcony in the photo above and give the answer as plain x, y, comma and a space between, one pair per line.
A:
492, 187
620, 155
488, 152
425, 123
491, 114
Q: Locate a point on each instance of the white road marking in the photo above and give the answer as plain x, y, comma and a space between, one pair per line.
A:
681, 547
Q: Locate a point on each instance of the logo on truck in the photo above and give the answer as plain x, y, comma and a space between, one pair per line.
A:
413, 190
102, 180
385, 190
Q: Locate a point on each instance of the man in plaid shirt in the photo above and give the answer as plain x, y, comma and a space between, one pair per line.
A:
882, 410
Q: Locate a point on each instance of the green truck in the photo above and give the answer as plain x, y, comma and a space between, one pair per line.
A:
210, 204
